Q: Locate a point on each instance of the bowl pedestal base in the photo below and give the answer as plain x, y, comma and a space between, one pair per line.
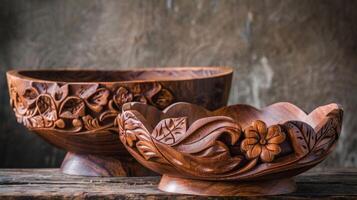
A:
212, 188
98, 165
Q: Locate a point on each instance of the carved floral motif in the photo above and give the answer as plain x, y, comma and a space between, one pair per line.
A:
198, 144
168, 131
216, 148
77, 107
121, 96
262, 142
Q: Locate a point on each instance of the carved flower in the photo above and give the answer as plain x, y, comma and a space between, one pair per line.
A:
72, 108
47, 108
121, 96
59, 92
262, 141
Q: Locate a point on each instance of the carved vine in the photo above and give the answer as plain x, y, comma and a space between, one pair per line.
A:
217, 148
79, 107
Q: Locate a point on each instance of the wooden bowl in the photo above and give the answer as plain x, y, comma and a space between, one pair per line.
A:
236, 150
76, 109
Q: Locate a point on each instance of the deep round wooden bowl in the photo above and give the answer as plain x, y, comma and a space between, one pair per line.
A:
76, 109
236, 150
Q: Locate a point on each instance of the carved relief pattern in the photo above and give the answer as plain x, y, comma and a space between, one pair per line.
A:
216, 148
79, 107
262, 142
203, 151
311, 143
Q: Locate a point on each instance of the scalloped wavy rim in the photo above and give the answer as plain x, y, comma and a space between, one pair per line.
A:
237, 142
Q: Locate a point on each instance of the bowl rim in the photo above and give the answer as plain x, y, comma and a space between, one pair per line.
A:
240, 106
222, 72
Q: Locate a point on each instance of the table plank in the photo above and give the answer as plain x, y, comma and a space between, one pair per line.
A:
52, 184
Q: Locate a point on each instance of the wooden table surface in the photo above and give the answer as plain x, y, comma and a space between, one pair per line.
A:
51, 184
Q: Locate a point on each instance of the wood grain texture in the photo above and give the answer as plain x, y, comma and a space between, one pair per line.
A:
99, 165
296, 51
52, 184
76, 110
237, 150
225, 189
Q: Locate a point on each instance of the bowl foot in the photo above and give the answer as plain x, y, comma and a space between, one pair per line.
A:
215, 188
98, 165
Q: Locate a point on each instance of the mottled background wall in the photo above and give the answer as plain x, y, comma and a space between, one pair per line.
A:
304, 52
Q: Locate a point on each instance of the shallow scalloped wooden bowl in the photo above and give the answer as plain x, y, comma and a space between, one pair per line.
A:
76, 109
236, 150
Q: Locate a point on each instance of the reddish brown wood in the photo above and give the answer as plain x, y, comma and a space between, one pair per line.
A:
99, 165
226, 188
76, 109
236, 145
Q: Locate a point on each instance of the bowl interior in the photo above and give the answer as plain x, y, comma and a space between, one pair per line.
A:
159, 74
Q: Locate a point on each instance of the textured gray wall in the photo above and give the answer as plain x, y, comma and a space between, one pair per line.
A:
304, 52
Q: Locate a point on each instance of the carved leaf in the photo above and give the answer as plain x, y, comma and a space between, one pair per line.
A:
99, 99
27, 99
47, 108
149, 151
72, 107
131, 128
327, 135
325, 143
168, 131
59, 93
24, 103
56, 91
303, 137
